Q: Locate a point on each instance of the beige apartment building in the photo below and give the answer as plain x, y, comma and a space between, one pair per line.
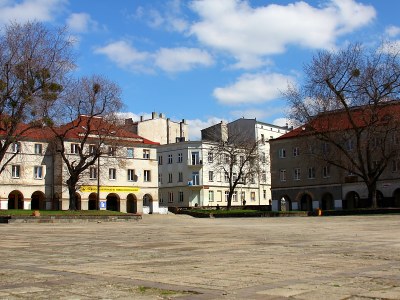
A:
123, 179
159, 129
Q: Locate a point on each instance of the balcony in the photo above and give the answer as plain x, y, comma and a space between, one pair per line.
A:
195, 163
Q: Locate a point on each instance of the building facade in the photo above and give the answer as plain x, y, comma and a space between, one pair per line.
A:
123, 179
187, 178
305, 169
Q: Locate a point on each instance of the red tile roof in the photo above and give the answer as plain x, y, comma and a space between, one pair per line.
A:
339, 120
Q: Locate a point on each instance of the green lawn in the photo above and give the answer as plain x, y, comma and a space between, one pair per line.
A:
24, 212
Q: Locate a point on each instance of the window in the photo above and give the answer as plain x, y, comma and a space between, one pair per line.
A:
282, 175
131, 175
243, 196
241, 159
38, 172
195, 178
227, 158
282, 153
226, 177
210, 196
180, 177
146, 153
92, 149
325, 148
159, 178
325, 171
38, 148
180, 196
296, 151
146, 176
349, 145
264, 176
264, 194
252, 178
253, 196
93, 173
311, 173
15, 171
160, 162
395, 165
74, 148
129, 152
234, 197
296, 174
170, 197
210, 157
180, 157
226, 196
161, 197
111, 151
234, 177
112, 174
195, 158
169, 158
263, 157
210, 176
169, 177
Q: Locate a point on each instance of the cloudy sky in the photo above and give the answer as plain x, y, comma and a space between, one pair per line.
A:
208, 60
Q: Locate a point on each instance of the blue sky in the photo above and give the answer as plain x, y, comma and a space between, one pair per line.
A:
208, 60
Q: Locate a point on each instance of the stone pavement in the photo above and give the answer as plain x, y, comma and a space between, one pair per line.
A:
180, 257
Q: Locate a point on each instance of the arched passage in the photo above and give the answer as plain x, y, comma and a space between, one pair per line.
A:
113, 202
351, 201
285, 204
148, 201
93, 204
306, 203
396, 198
38, 200
327, 202
131, 203
15, 200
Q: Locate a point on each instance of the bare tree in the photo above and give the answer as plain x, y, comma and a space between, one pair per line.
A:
33, 64
85, 127
235, 154
349, 103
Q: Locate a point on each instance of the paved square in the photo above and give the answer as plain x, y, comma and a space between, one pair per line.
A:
248, 258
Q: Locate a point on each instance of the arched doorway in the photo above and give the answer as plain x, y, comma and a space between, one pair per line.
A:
351, 201
113, 202
285, 204
93, 204
38, 200
380, 200
131, 204
306, 203
148, 201
396, 198
78, 203
327, 202
15, 200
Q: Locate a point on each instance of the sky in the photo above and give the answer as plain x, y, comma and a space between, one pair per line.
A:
208, 60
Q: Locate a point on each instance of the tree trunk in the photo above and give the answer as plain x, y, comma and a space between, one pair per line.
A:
372, 194
71, 182
229, 204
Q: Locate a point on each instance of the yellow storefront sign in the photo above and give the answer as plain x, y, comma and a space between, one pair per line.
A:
109, 189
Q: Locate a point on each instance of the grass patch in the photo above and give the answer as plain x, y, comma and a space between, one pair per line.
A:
26, 212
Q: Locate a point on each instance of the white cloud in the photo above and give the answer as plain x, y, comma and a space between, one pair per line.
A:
125, 56
392, 47
249, 34
167, 59
253, 88
81, 23
392, 31
29, 10
181, 59
196, 125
